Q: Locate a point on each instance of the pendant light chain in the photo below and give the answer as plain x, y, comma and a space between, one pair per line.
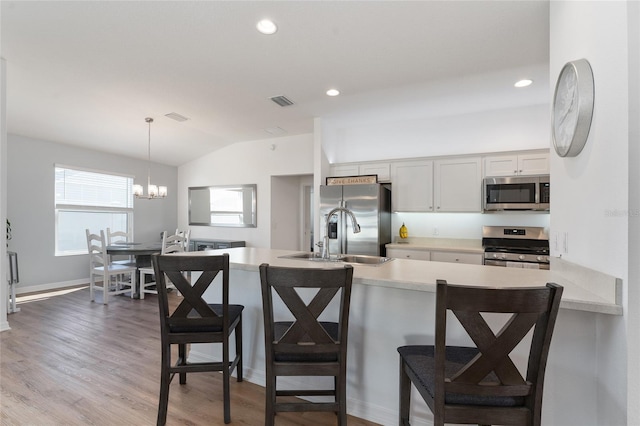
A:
153, 191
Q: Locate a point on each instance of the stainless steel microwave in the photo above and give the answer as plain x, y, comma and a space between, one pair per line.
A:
516, 193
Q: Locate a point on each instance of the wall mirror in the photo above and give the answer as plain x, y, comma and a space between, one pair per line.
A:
227, 205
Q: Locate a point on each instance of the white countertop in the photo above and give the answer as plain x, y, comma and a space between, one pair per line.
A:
600, 295
459, 245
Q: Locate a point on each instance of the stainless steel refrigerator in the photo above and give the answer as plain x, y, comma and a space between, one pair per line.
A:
371, 205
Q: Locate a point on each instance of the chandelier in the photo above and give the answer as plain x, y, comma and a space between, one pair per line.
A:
153, 191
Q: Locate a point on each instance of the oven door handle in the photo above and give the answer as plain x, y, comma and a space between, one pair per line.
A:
492, 262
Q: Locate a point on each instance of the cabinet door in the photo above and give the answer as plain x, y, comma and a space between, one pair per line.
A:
455, 257
380, 169
344, 170
412, 186
501, 165
533, 164
458, 185
409, 254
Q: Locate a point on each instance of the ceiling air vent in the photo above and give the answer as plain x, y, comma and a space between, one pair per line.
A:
176, 116
281, 100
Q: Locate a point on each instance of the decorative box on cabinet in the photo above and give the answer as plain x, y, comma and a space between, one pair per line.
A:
517, 164
201, 244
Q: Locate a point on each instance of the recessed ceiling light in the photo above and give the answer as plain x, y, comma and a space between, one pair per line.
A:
266, 26
333, 92
523, 83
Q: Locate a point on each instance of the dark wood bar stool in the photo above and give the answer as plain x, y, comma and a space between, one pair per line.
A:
481, 384
302, 345
196, 321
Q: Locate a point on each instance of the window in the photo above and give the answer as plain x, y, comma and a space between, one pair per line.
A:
89, 200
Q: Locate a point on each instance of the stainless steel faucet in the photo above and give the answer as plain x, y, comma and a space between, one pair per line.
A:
354, 223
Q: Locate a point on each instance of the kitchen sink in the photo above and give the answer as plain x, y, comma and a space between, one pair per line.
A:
365, 259
308, 256
347, 258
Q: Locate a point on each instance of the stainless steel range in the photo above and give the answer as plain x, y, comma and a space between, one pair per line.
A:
516, 247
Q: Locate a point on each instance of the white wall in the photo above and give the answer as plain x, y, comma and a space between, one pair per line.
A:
633, 290
252, 162
475, 114
461, 225
590, 193
32, 213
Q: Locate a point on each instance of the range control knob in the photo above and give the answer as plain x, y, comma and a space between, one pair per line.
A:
540, 258
521, 257
504, 256
495, 255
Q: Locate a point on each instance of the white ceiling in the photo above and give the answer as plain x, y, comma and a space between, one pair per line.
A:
88, 73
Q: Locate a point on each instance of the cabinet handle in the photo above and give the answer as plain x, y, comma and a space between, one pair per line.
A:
519, 171
438, 207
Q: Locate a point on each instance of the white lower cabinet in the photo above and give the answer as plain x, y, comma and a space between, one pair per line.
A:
409, 254
456, 257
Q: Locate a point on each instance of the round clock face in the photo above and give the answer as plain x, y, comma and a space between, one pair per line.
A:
572, 108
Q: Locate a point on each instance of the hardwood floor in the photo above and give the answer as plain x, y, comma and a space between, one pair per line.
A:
67, 361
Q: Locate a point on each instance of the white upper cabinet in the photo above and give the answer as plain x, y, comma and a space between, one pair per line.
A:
458, 185
517, 164
412, 189
344, 170
533, 164
380, 169
362, 169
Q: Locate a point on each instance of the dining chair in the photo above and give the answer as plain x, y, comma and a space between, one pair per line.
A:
119, 237
298, 343
113, 274
170, 244
480, 384
196, 321
187, 235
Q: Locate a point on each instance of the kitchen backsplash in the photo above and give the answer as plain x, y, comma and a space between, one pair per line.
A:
461, 225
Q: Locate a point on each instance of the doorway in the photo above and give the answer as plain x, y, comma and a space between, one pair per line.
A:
292, 212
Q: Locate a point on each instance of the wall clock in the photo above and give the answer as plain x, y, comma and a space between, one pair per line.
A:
572, 108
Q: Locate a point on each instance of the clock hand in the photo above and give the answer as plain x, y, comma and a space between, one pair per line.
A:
565, 113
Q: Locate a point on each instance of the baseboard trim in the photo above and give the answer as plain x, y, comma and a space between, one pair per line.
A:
50, 286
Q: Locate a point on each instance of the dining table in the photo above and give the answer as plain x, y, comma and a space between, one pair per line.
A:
141, 252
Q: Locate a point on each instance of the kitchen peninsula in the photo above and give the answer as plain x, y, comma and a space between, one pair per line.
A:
392, 305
